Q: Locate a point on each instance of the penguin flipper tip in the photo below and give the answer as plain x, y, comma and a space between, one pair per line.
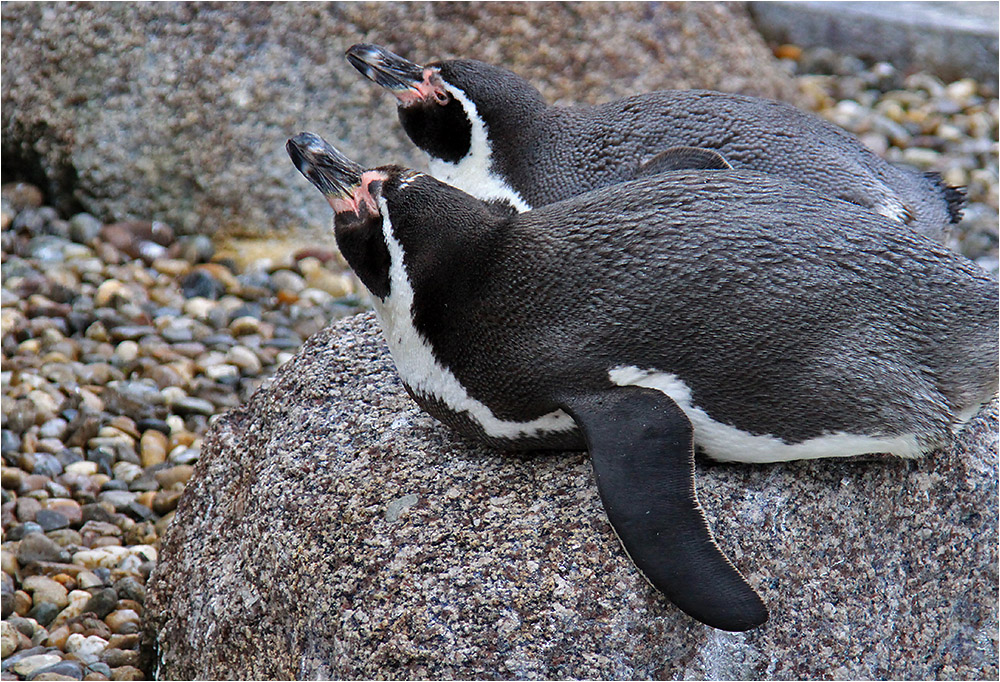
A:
641, 447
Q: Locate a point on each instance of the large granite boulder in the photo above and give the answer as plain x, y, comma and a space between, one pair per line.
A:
179, 111
333, 530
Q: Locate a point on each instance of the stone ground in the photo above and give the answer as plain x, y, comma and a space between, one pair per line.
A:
121, 343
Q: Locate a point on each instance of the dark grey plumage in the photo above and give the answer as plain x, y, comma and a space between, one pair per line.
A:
546, 153
785, 312
790, 319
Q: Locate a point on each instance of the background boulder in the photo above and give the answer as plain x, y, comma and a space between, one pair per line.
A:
333, 530
179, 112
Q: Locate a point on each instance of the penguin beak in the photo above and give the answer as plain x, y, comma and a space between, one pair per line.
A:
333, 174
404, 79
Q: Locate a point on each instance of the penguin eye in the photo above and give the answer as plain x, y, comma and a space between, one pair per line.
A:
442, 97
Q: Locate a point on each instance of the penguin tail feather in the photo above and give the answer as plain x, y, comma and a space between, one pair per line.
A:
954, 197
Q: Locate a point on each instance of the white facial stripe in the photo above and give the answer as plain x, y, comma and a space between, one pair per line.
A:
472, 174
726, 443
422, 372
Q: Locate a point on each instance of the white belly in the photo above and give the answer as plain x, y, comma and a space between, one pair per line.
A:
729, 444
428, 378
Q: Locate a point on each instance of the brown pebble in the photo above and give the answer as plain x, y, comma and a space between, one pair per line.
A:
153, 448
11, 478
174, 475
166, 501
161, 525
131, 605
51, 677
129, 641
222, 274
21, 195
125, 425
27, 509
120, 657
185, 438
67, 581
32, 482
68, 508
287, 297
788, 51
127, 672
58, 637
119, 617
104, 542
95, 677
22, 603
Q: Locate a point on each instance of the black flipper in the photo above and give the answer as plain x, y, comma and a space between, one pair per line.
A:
641, 446
683, 158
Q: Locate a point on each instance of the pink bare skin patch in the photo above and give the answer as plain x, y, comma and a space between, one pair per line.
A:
430, 89
360, 196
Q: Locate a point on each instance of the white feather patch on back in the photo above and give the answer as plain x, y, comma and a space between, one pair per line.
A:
729, 444
421, 371
472, 174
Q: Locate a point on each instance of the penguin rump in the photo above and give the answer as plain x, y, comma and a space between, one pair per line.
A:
749, 316
489, 132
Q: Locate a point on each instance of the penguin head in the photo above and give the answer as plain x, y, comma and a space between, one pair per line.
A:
431, 222
441, 104
352, 193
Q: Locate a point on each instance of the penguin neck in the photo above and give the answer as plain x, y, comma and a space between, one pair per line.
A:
485, 170
437, 252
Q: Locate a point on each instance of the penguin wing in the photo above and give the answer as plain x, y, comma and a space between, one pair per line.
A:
683, 158
641, 446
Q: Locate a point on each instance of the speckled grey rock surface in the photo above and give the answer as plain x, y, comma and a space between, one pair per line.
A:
332, 530
179, 111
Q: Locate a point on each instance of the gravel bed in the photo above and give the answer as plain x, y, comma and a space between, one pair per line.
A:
122, 342
915, 119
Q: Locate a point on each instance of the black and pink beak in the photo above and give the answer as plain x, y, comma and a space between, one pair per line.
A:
409, 82
333, 174
344, 183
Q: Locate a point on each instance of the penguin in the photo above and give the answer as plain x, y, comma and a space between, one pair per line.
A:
730, 310
489, 132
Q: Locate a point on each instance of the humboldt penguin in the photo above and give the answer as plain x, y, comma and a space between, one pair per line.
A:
488, 132
748, 315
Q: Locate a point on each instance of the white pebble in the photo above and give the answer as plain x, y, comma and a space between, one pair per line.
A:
126, 471
82, 468
176, 423
198, 307
245, 359
172, 394
127, 351
93, 645
26, 666
101, 557
221, 372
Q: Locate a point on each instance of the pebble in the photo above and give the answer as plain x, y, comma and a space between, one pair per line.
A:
949, 128
8, 638
31, 664
38, 547
85, 646
46, 590
121, 342
102, 603
77, 600
69, 670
